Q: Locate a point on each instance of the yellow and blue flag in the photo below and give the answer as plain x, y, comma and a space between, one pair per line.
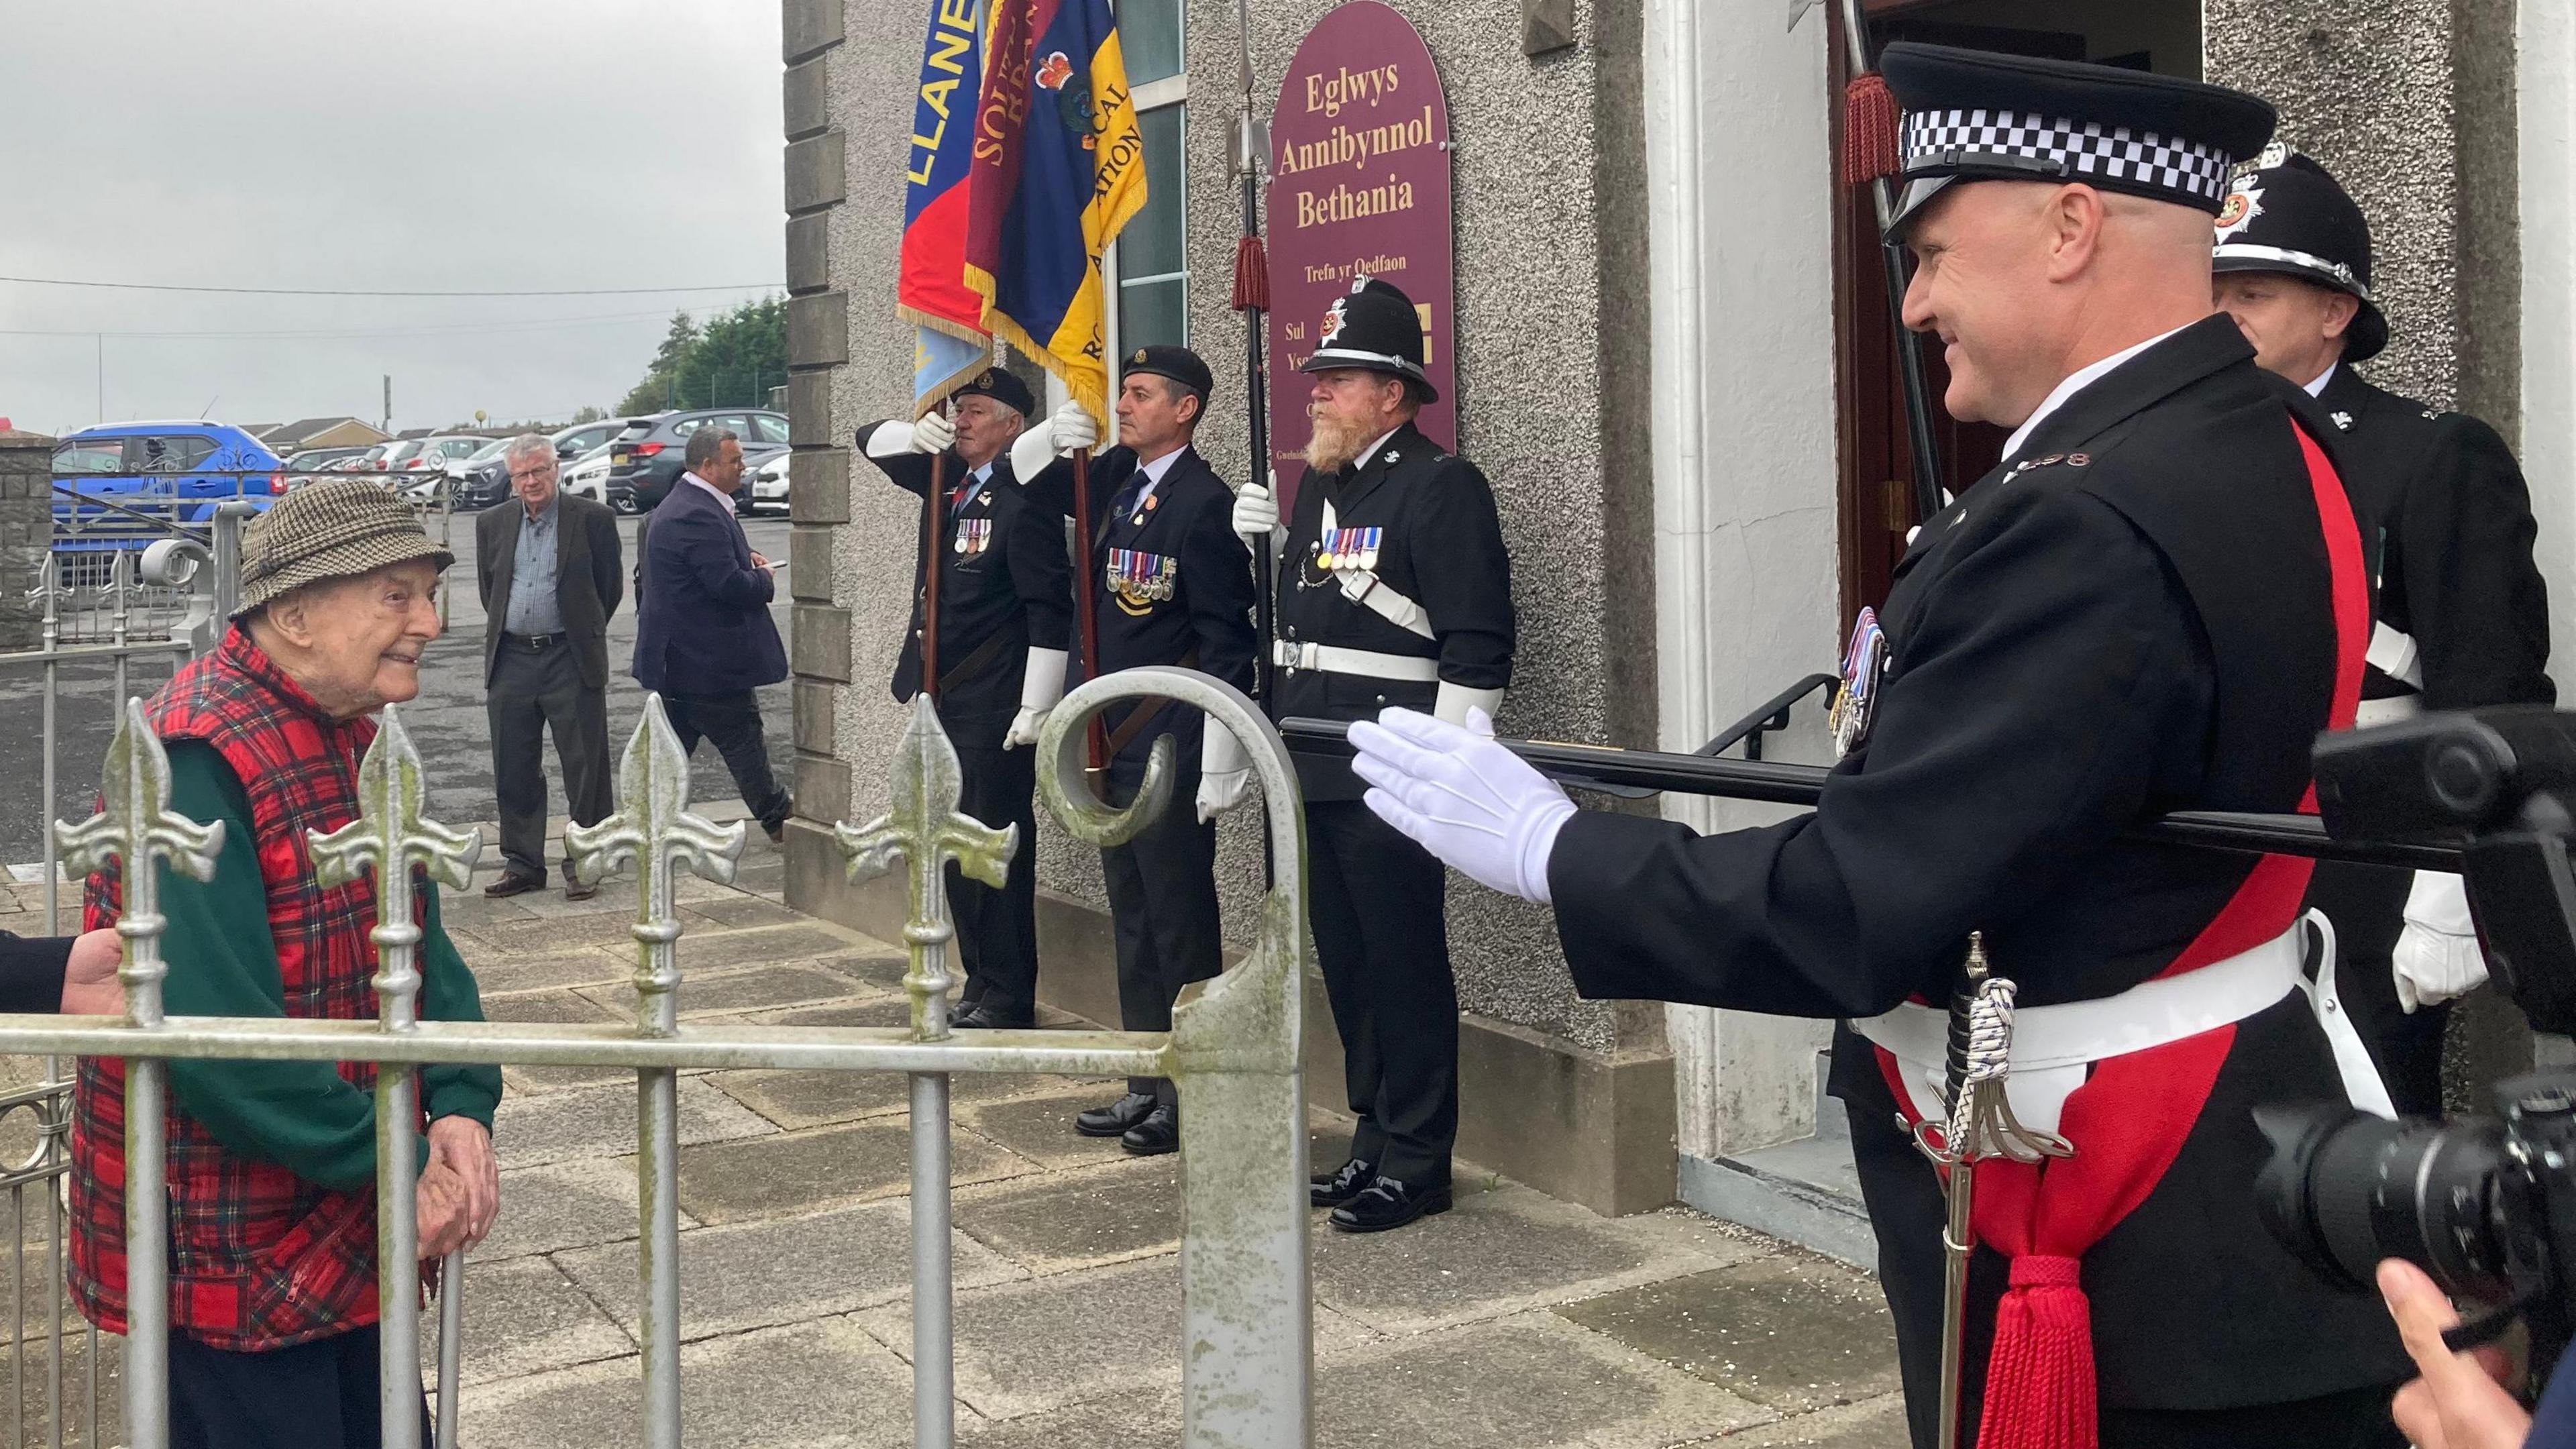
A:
1058, 168
931, 290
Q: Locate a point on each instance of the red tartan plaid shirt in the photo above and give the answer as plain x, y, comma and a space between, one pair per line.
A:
260, 1259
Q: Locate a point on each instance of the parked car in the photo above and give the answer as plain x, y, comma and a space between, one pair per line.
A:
649, 456
769, 484
176, 470
320, 460
588, 478
481, 480
485, 478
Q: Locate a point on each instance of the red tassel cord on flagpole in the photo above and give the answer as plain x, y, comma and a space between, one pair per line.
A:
1251, 276
2039, 1377
1869, 130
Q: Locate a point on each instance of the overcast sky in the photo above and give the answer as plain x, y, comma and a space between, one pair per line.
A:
413, 145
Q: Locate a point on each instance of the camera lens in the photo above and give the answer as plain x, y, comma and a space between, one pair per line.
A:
2345, 1189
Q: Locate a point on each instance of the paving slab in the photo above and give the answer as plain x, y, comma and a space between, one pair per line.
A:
1790, 1330
813, 1385
524, 1317
497, 971
1041, 1128
558, 1006
1531, 1381
794, 1099
704, 951
1081, 1219
1025, 1348
731, 991
1497, 1252
883, 967
533, 935
740, 911
1871, 1424
1143, 1418
726, 1182
575, 1204
600, 1122
782, 1270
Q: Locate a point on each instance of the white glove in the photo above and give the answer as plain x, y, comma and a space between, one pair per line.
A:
1457, 700
1041, 685
1256, 513
1071, 429
1464, 798
1224, 772
2437, 956
933, 434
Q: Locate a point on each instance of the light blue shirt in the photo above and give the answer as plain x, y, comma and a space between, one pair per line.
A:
534, 607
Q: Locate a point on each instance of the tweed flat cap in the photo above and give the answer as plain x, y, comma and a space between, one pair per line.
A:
335, 530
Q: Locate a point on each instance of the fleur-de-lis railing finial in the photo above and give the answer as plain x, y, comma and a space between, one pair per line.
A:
925, 830
655, 829
137, 829
389, 837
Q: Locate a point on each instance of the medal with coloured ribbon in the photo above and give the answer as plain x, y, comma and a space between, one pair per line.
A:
973, 536
1141, 580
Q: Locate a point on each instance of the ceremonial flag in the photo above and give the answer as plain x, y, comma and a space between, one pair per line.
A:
931, 290
1058, 169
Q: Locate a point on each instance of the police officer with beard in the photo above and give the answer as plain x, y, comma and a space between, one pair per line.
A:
2460, 616
1394, 590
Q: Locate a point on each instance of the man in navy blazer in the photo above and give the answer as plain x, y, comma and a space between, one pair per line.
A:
703, 635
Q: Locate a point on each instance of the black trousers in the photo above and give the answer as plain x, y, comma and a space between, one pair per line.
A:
1382, 939
732, 723
318, 1395
1163, 912
997, 930
535, 690
2367, 904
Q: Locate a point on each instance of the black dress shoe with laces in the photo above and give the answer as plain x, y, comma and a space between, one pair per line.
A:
1159, 1133
984, 1017
1114, 1119
1334, 1188
1387, 1203
514, 883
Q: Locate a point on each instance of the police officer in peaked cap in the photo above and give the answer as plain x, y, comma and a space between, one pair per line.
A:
2144, 607
1394, 591
1174, 587
2460, 616
1005, 625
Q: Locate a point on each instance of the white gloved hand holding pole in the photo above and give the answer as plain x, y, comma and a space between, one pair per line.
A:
1456, 793
1066, 431
1040, 687
2437, 957
1256, 512
1225, 772
933, 433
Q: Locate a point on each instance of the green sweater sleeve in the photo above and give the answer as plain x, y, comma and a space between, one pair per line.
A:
448, 993
302, 1116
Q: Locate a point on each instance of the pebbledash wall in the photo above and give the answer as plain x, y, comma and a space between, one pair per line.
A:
1646, 374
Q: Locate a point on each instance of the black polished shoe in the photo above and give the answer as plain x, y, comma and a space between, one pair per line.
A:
984, 1017
1387, 1203
514, 883
1159, 1133
1114, 1119
1334, 1188
575, 890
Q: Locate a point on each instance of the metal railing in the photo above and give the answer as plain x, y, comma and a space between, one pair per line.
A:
1234, 1052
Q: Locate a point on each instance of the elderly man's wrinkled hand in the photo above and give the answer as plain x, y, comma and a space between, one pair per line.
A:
438, 1205
90, 987
464, 1147
2460, 1402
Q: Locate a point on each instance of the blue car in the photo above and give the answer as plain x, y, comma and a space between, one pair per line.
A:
174, 472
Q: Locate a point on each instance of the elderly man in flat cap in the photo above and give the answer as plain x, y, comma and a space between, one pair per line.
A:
272, 1165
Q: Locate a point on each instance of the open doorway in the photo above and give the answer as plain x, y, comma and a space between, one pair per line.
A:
1877, 505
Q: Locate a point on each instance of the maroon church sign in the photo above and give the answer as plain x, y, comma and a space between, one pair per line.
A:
1359, 186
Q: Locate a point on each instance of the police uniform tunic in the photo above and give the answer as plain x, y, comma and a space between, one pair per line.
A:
2142, 610
1174, 587
1003, 589
1422, 522
2462, 616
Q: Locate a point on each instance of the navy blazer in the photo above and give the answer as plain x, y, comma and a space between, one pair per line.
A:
702, 621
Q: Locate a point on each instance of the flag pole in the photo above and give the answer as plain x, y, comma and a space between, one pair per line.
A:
933, 506
1086, 582
1252, 299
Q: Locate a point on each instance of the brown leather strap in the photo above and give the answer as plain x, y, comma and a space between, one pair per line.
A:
974, 663
1147, 710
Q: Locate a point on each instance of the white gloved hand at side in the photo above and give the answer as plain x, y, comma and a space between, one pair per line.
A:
2437, 957
1040, 687
1256, 513
1467, 800
933, 434
1225, 772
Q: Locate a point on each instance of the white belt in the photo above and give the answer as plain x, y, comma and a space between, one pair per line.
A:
1368, 662
1364, 588
2054, 1046
2391, 710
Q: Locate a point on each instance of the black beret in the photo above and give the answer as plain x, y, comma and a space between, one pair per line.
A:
1177, 363
999, 385
2288, 214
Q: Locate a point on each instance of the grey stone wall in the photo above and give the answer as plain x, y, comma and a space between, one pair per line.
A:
2411, 104
1553, 379
26, 534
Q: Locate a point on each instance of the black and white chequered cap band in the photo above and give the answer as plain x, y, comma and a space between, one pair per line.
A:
1950, 142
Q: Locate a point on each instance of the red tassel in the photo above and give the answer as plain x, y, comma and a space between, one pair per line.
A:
1251, 276
1869, 130
2039, 1379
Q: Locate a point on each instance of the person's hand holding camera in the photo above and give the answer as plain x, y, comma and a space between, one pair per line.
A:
2460, 1401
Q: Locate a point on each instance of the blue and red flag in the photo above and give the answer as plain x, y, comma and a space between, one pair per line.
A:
931, 290
1058, 168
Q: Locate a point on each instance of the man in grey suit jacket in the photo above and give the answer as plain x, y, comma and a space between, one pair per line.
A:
551, 572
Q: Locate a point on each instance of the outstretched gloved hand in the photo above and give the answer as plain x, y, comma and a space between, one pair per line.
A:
1464, 798
1225, 772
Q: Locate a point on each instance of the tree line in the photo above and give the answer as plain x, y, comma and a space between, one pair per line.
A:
731, 360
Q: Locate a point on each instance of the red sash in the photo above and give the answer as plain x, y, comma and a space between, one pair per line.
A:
2129, 1119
